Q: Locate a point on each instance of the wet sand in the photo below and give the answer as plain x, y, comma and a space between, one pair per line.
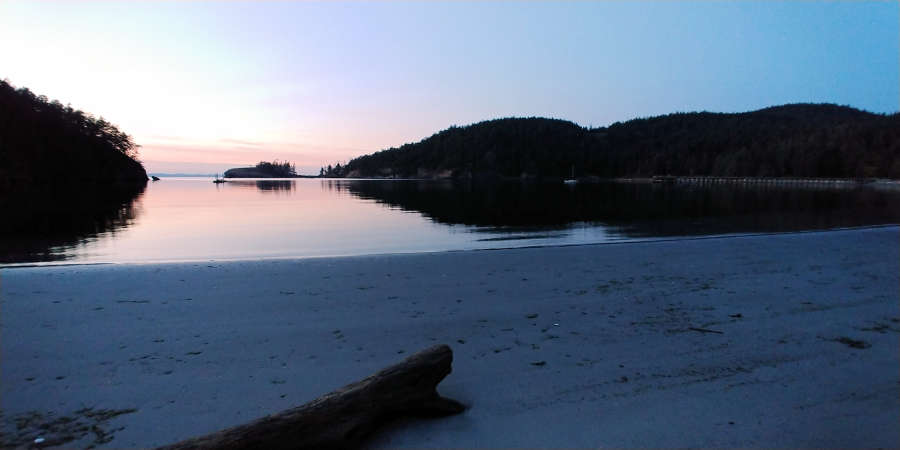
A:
779, 340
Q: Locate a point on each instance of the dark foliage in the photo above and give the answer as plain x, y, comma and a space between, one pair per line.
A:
44, 143
264, 169
799, 140
277, 168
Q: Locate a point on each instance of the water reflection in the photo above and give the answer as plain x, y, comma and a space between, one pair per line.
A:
273, 185
635, 209
193, 219
46, 226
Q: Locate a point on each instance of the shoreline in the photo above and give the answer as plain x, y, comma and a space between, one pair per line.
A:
30, 265
175, 350
664, 179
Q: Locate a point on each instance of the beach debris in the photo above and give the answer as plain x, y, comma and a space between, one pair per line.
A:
705, 330
852, 342
37, 429
343, 418
539, 363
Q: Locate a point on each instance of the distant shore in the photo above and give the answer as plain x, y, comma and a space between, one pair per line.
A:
797, 181
267, 176
656, 179
783, 340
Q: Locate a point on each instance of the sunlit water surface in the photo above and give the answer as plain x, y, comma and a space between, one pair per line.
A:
188, 219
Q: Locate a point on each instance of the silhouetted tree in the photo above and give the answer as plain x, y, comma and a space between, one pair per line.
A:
277, 168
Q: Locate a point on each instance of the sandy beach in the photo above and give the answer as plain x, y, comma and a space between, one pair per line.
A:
787, 340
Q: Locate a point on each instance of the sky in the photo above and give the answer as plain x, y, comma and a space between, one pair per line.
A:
204, 86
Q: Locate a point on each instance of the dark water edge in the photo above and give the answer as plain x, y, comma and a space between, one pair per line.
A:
637, 210
39, 225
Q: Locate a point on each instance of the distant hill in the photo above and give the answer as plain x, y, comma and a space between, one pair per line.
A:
797, 140
45, 144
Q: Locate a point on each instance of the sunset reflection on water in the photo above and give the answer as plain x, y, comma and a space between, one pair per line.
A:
193, 219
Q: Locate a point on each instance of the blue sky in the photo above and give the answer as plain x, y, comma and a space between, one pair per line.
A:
208, 85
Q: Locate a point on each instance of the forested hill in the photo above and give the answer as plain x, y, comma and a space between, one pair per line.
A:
44, 144
797, 140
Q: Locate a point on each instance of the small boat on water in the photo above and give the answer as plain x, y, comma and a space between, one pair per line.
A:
218, 180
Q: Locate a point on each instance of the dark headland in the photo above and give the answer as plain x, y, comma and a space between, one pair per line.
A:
65, 176
795, 140
45, 144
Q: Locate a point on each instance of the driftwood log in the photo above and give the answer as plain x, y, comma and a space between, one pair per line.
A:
343, 418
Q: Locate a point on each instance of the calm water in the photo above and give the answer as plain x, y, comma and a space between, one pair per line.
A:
179, 219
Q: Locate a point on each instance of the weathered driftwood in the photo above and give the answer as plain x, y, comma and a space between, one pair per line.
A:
344, 417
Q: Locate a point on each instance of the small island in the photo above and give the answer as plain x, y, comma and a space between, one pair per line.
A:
265, 169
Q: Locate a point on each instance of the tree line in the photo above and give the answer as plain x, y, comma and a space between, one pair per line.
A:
283, 169
796, 140
43, 142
